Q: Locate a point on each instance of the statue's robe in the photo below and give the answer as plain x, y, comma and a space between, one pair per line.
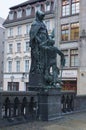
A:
38, 35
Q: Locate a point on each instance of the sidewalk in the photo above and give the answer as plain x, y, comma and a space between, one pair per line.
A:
69, 122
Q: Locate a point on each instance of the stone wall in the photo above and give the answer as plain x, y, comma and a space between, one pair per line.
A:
21, 107
80, 103
17, 107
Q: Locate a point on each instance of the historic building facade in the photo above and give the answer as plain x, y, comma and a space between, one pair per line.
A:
17, 50
71, 38
2, 39
68, 31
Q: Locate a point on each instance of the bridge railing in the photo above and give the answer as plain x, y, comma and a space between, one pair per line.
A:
18, 104
67, 101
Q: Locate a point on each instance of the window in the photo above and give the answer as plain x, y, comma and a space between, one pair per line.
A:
2, 66
65, 52
10, 32
11, 14
69, 85
10, 48
19, 30
19, 13
74, 61
65, 7
9, 66
38, 7
47, 6
28, 11
26, 65
75, 6
64, 32
70, 7
74, 31
27, 28
17, 66
27, 47
18, 47
47, 23
13, 86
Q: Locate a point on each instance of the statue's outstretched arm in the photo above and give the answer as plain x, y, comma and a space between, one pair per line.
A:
62, 57
59, 52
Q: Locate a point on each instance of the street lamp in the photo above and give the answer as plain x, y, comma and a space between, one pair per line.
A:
12, 78
23, 77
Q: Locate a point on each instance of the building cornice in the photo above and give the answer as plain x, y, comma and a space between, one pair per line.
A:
25, 21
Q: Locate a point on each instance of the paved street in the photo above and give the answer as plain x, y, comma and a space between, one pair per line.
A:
69, 122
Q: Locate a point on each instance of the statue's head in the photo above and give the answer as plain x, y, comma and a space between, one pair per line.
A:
40, 15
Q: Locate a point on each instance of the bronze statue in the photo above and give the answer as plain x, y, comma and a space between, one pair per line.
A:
43, 52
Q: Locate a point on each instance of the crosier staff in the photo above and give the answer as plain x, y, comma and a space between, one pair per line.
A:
62, 65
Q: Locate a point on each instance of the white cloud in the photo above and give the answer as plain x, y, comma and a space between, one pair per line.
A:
6, 4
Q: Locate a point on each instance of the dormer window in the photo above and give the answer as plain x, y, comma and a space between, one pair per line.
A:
38, 7
11, 14
47, 6
28, 11
19, 13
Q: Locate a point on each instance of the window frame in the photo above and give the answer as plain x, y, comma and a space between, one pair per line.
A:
19, 47
13, 86
47, 8
19, 30
17, 65
10, 66
10, 48
10, 32
37, 7
73, 30
27, 46
28, 11
66, 35
28, 28
73, 62
47, 23
26, 65
65, 6
19, 13
75, 2
11, 15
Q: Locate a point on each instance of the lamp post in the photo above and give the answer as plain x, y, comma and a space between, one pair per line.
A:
12, 78
24, 79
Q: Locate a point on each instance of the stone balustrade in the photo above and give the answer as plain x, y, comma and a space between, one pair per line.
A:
20, 107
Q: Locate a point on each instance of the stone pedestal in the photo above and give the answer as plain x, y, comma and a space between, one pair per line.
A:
35, 82
49, 104
0, 106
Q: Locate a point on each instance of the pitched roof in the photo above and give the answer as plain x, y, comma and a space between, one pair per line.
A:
26, 3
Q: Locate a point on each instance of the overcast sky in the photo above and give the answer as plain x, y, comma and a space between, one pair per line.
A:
6, 4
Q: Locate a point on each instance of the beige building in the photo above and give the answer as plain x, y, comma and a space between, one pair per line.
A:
17, 51
71, 38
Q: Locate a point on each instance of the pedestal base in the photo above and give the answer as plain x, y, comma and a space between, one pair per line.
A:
49, 104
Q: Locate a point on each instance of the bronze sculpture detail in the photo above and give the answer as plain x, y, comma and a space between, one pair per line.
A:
43, 52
